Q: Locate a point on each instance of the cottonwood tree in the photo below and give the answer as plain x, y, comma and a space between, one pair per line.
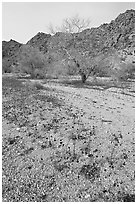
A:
84, 64
73, 24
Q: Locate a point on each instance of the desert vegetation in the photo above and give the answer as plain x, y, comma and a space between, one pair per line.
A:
76, 50
68, 114
32, 62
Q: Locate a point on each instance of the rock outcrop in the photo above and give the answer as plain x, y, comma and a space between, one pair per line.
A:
40, 40
10, 48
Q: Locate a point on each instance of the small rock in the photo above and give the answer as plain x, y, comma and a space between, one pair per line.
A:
87, 196
17, 129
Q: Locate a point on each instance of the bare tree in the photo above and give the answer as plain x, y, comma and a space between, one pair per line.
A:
81, 61
78, 23
74, 24
84, 64
88, 65
51, 29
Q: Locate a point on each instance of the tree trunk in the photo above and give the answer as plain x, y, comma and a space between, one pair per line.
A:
83, 77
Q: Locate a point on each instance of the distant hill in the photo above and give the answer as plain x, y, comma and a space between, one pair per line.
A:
118, 34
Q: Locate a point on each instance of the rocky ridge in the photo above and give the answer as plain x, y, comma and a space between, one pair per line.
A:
10, 48
118, 34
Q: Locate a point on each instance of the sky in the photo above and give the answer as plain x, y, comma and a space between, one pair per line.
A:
23, 20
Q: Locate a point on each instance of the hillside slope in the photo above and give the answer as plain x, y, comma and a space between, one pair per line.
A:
119, 34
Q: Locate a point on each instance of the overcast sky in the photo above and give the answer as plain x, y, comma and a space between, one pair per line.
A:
21, 21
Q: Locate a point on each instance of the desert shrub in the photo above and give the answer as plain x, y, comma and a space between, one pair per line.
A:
39, 73
127, 71
71, 68
113, 65
103, 69
57, 69
6, 65
123, 72
38, 85
32, 62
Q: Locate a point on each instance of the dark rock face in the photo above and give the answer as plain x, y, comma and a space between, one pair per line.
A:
10, 48
10, 52
118, 34
40, 40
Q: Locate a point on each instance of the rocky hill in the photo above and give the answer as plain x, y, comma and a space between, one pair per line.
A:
40, 41
10, 51
118, 34
10, 48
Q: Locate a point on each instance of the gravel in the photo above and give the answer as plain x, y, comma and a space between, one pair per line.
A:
66, 144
